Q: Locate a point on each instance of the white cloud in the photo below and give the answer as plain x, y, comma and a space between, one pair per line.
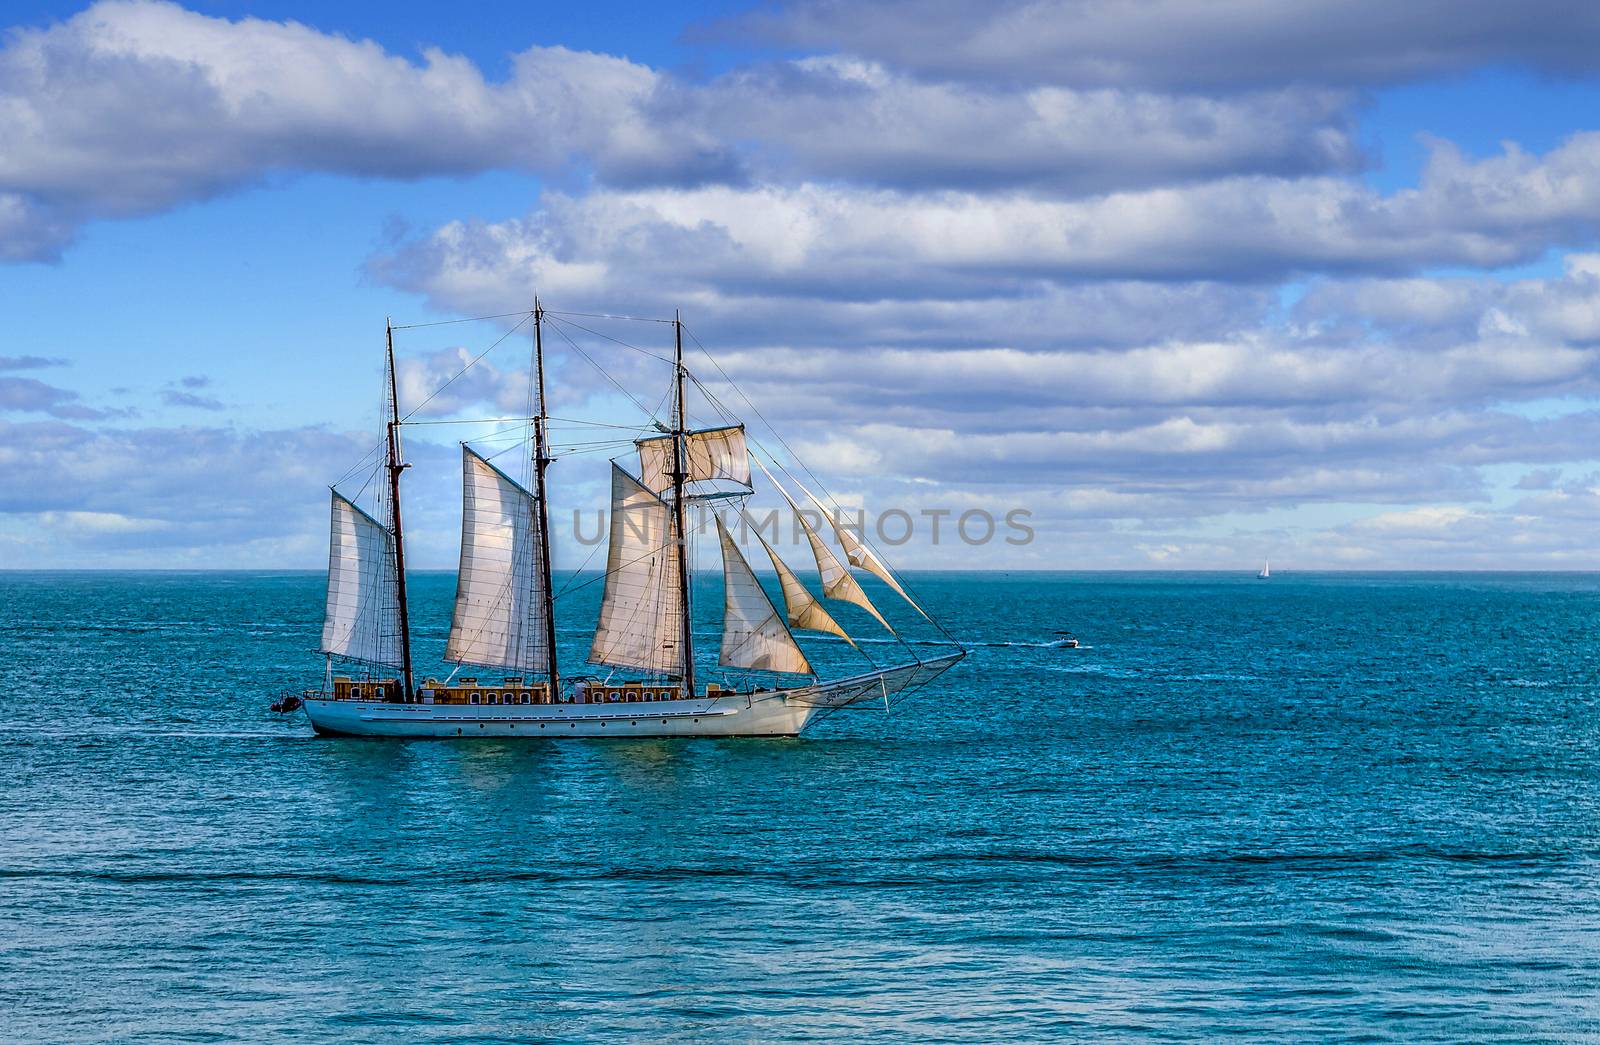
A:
699, 244
134, 106
831, 117
1038, 265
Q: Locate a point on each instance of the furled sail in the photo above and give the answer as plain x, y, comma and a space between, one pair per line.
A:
499, 619
753, 635
363, 610
804, 610
713, 453
640, 626
836, 580
861, 556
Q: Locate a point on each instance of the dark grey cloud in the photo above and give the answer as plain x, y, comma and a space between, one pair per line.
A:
1189, 44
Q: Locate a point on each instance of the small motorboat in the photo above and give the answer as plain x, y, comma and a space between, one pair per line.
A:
1066, 641
288, 704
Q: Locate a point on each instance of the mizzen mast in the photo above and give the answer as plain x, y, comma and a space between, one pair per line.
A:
541, 461
686, 626
396, 466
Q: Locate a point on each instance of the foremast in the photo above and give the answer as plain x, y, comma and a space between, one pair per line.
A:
679, 473
396, 466
541, 461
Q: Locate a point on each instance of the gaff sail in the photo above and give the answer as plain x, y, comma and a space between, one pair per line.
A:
499, 619
362, 617
640, 616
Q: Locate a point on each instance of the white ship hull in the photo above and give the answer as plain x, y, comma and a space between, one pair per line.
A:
760, 715
770, 713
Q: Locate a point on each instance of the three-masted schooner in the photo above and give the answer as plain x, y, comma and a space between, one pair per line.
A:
504, 618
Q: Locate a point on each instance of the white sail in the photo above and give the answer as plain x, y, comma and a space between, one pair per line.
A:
499, 618
362, 619
836, 580
640, 623
713, 453
804, 610
753, 635
861, 556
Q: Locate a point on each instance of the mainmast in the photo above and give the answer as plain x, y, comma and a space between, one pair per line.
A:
395, 468
678, 475
541, 460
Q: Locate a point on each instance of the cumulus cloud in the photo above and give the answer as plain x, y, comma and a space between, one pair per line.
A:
1274, 412
134, 106
210, 495
1565, 309
831, 117
852, 244
449, 380
1042, 263
1189, 44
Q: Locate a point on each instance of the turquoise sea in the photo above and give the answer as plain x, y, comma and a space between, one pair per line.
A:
1322, 807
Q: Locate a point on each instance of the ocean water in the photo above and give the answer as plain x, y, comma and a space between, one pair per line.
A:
1324, 807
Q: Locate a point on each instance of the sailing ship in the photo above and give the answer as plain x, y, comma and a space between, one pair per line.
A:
505, 613
1266, 571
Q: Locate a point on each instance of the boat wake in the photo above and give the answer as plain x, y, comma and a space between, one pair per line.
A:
1019, 644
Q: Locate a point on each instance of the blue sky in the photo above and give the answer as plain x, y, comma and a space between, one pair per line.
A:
1195, 284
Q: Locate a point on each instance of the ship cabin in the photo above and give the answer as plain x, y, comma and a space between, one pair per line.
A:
511, 690
590, 691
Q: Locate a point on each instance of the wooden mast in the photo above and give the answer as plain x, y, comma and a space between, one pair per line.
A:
395, 468
541, 460
678, 474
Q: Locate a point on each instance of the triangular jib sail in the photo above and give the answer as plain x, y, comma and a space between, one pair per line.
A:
640, 619
861, 556
711, 453
804, 610
499, 618
362, 618
836, 580
753, 634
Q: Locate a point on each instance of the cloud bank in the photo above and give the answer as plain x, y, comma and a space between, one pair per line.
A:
1120, 262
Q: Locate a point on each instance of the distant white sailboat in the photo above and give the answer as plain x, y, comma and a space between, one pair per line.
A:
1266, 571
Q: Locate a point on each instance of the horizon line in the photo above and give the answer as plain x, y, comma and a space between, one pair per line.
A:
923, 569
